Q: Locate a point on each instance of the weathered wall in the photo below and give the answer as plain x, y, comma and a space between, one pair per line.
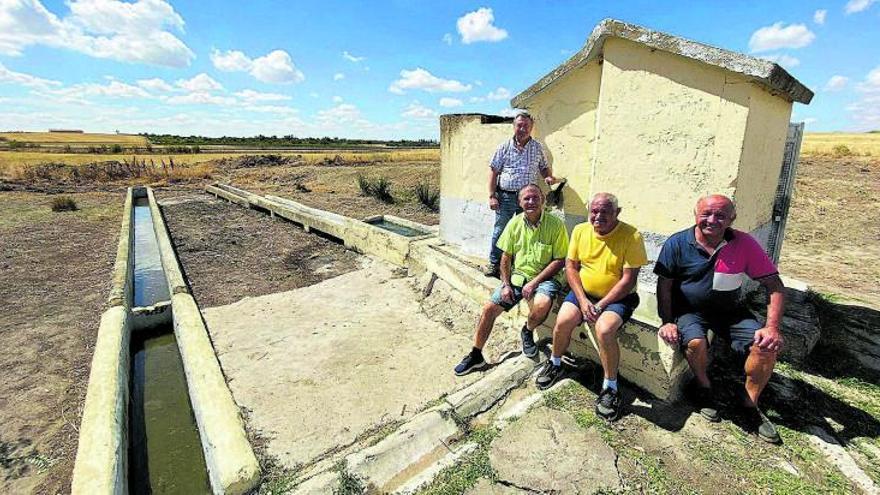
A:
566, 124
669, 130
761, 161
467, 143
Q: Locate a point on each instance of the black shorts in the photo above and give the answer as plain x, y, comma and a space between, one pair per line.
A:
738, 327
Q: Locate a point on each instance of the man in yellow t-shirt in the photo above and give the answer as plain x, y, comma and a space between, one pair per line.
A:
602, 267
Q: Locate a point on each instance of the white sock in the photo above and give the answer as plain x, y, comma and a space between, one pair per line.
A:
612, 384
556, 360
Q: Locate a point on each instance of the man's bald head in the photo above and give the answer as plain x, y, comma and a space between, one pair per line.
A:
717, 201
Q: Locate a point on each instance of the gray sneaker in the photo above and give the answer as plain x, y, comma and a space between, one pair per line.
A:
759, 422
491, 270
608, 404
529, 348
705, 402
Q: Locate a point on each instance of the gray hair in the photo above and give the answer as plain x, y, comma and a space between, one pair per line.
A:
606, 196
732, 204
525, 115
529, 186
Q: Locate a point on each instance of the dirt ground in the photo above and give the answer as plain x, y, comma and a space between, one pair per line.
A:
54, 279
833, 234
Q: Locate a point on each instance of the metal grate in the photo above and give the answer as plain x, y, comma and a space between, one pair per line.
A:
785, 189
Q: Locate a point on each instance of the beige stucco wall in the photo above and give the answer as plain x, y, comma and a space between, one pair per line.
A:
670, 129
566, 124
761, 160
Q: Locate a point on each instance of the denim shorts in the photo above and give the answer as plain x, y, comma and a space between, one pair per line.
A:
738, 328
623, 307
548, 287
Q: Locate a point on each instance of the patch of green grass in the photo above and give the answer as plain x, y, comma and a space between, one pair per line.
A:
457, 479
349, 484
279, 484
578, 401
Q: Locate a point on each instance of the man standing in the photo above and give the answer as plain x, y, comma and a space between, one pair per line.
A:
517, 162
701, 270
533, 245
602, 268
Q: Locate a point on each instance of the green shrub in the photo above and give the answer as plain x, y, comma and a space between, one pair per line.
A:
116, 149
841, 150
64, 203
379, 188
428, 196
364, 185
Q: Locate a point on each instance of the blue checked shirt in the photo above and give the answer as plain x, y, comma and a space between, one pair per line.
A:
518, 167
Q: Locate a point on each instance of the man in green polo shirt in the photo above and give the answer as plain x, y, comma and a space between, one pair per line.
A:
534, 246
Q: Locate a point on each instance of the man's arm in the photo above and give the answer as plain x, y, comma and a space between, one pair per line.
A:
668, 330
493, 183
547, 174
573, 275
547, 273
623, 287
506, 263
769, 338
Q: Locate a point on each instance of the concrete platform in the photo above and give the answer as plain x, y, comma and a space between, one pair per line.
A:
320, 366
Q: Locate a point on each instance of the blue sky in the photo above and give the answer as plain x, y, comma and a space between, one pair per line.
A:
378, 70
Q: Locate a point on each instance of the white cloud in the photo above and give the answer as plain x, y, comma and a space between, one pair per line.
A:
155, 84
340, 114
250, 96
136, 32
201, 83
275, 67
871, 84
337, 99
836, 83
200, 98
780, 36
22, 79
79, 93
782, 59
276, 109
422, 79
854, 6
447, 38
866, 113
501, 93
338, 76
819, 16
416, 110
477, 99
450, 102
352, 58
509, 112
231, 61
477, 26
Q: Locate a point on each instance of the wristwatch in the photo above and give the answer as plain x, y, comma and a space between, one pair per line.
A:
599, 308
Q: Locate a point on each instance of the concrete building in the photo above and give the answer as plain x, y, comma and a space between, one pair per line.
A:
656, 119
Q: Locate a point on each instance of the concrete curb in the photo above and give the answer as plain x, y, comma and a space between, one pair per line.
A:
232, 465
837, 455
101, 465
176, 282
484, 393
120, 289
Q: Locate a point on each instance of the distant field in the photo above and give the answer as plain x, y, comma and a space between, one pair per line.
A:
74, 138
12, 162
841, 144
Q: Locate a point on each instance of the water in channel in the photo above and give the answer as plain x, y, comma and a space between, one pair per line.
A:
165, 453
397, 228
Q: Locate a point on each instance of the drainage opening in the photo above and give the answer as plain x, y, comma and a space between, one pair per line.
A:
396, 228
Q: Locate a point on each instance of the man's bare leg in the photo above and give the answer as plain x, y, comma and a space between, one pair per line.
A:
759, 368
697, 354
606, 334
567, 320
539, 308
490, 313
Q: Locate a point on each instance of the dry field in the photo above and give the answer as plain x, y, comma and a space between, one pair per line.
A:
73, 138
841, 144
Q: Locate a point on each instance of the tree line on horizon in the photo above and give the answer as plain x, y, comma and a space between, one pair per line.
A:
261, 141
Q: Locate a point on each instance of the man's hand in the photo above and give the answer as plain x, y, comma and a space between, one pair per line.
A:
768, 339
591, 313
550, 180
669, 333
507, 294
528, 290
493, 202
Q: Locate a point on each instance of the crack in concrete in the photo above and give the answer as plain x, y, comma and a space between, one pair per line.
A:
524, 488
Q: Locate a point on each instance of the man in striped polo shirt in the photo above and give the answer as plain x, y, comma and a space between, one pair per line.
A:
517, 163
701, 271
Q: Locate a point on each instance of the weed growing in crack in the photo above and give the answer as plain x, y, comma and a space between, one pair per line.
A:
457, 479
349, 484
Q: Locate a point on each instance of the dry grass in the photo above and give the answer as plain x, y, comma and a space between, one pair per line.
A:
74, 138
841, 144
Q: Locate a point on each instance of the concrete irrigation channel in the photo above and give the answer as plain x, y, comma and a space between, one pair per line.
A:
158, 416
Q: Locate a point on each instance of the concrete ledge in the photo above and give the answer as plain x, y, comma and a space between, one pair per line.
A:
176, 282
102, 455
120, 288
232, 465
145, 317
483, 394
412, 443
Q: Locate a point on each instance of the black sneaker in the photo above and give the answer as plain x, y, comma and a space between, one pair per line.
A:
705, 402
528, 342
759, 422
548, 376
608, 405
470, 363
